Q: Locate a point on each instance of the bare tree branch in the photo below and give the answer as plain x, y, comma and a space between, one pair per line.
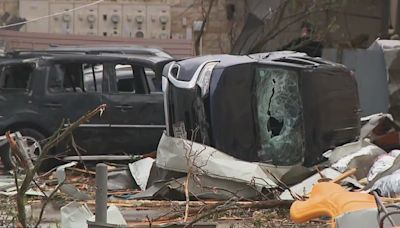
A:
53, 141
46, 202
203, 25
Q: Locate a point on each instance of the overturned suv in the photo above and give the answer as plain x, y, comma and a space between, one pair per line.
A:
39, 90
282, 108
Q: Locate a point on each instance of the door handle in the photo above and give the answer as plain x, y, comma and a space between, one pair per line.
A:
124, 107
53, 105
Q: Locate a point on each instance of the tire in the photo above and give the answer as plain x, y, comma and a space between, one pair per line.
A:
5, 153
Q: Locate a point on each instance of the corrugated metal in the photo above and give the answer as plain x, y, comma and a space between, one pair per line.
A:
25, 40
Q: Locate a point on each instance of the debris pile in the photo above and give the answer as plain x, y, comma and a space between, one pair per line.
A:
186, 182
374, 164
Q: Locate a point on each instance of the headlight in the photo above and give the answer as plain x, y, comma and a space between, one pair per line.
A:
204, 78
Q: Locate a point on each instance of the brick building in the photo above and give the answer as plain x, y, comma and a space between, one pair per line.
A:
355, 21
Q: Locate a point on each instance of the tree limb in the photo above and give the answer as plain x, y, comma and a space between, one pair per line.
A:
54, 140
203, 25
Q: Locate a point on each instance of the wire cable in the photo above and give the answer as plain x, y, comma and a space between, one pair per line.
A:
52, 15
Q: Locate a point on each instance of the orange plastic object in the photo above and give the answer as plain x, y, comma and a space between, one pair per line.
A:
329, 199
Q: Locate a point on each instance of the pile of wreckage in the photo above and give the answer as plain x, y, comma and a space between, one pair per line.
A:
337, 188
202, 167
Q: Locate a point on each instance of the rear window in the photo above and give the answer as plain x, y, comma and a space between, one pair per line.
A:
16, 76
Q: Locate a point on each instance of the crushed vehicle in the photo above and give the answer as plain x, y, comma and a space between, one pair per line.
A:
38, 91
282, 108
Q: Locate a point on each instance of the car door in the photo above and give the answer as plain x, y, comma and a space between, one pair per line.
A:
135, 113
68, 97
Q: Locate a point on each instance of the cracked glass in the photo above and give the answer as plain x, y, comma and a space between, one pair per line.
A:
280, 116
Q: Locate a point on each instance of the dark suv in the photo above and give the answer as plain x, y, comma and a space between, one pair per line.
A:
38, 91
283, 108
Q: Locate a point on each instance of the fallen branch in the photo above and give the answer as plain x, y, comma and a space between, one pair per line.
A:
159, 203
254, 205
54, 140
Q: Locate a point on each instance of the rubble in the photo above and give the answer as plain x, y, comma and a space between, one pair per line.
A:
68, 188
75, 215
214, 177
140, 171
181, 155
304, 188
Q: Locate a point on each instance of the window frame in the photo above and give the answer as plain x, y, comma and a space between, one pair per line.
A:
82, 85
135, 68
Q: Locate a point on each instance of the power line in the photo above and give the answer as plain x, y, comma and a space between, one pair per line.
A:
52, 15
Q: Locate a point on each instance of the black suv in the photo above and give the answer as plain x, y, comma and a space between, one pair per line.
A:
38, 91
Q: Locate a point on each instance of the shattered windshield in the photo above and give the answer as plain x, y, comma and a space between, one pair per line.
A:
280, 116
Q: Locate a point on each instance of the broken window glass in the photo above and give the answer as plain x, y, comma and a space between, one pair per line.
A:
280, 116
16, 76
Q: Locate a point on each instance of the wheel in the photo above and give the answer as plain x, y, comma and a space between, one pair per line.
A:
32, 139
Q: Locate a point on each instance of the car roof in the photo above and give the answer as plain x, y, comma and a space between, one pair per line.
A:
292, 59
97, 49
155, 62
285, 58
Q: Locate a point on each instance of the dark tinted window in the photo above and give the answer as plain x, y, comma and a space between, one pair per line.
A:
75, 77
16, 76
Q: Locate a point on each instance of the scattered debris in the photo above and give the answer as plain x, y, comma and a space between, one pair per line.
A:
305, 187
120, 180
75, 215
329, 199
140, 171
114, 216
68, 188
179, 154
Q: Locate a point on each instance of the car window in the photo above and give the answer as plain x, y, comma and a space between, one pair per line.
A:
16, 76
75, 77
129, 79
280, 114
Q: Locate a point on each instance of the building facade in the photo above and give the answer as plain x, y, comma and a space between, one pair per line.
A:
358, 21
